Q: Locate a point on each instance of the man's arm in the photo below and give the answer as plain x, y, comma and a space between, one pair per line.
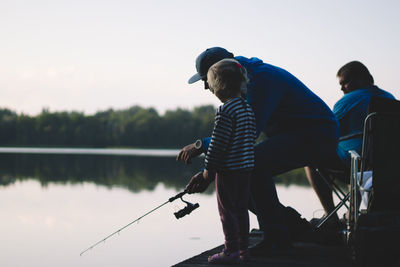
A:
190, 151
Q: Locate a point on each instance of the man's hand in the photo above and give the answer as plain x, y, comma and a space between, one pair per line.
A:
187, 153
198, 184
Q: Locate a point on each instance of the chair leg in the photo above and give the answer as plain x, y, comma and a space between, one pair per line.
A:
343, 197
354, 190
337, 207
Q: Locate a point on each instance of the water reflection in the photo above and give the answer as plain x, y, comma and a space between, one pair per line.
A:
134, 173
50, 226
52, 209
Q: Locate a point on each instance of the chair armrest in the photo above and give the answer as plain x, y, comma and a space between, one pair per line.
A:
354, 187
351, 136
354, 155
354, 164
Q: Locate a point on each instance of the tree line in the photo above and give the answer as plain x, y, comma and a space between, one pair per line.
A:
132, 127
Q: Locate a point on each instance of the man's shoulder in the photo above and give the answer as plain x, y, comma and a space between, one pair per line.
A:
356, 94
349, 101
383, 93
358, 98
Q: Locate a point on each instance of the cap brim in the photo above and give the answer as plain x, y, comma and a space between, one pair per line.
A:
194, 78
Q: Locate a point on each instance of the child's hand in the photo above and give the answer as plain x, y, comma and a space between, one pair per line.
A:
197, 184
208, 176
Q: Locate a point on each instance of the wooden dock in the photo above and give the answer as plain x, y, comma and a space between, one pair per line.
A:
300, 254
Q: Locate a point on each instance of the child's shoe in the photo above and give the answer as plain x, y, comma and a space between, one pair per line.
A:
225, 257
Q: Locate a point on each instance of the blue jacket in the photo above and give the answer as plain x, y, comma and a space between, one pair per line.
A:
281, 102
351, 111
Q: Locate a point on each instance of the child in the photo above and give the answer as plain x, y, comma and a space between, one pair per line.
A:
231, 156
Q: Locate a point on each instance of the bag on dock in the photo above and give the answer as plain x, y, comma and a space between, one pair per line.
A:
299, 228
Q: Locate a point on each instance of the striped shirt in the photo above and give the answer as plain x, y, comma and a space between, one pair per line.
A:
232, 141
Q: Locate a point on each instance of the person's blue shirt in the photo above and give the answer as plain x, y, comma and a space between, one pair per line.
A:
281, 102
351, 111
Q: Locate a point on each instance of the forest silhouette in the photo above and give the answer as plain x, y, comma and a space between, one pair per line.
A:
133, 127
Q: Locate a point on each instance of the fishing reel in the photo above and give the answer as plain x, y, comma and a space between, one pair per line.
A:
186, 210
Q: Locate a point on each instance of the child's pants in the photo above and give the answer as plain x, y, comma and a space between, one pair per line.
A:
233, 192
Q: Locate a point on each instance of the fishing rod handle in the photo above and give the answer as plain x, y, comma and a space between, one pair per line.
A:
179, 195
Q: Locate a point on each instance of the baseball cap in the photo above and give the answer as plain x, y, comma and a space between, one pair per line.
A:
206, 59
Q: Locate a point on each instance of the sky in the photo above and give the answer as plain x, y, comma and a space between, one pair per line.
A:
90, 56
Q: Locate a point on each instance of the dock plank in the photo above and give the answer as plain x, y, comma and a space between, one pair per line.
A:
301, 254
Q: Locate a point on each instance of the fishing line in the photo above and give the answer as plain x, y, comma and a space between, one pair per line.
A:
179, 214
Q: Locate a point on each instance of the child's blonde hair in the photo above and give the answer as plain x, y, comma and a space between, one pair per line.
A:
227, 78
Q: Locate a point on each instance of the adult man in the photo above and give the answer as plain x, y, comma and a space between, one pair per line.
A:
358, 87
301, 131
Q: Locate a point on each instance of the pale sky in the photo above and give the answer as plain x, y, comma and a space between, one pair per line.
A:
89, 56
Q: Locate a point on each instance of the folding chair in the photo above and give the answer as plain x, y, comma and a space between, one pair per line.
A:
380, 222
376, 104
329, 176
381, 150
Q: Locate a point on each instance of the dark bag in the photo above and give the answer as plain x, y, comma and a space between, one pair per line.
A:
299, 228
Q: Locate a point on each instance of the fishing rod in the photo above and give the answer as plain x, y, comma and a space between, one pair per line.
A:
179, 214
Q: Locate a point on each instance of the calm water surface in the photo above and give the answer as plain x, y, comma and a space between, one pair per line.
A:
55, 206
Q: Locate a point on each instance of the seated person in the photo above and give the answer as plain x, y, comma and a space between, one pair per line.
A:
351, 110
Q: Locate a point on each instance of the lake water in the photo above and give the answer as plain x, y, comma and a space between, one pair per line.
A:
54, 206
